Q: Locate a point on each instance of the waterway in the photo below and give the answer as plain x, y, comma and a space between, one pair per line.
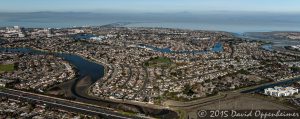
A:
83, 36
274, 43
84, 67
218, 47
95, 72
267, 47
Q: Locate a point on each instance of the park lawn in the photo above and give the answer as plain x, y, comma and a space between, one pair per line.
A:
7, 67
159, 61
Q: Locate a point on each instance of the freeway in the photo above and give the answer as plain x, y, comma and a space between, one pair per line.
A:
260, 88
65, 104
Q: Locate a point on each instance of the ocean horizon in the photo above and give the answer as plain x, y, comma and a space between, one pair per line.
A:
215, 21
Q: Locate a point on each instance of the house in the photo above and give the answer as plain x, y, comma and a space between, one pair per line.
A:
4, 82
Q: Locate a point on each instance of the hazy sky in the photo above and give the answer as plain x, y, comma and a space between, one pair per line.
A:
149, 5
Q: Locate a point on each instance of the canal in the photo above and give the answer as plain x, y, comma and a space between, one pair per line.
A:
84, 67
218, 47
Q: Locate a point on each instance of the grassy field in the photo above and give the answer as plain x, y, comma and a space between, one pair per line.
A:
159, 62
182, 114
7, 67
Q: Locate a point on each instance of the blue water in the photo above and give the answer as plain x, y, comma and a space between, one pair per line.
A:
218, 47
84, 67
237, 22
83, 36
268, 47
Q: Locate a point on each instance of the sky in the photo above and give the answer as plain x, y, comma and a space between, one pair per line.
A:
157, 6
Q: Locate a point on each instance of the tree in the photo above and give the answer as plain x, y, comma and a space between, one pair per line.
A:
188, 90
295, 69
